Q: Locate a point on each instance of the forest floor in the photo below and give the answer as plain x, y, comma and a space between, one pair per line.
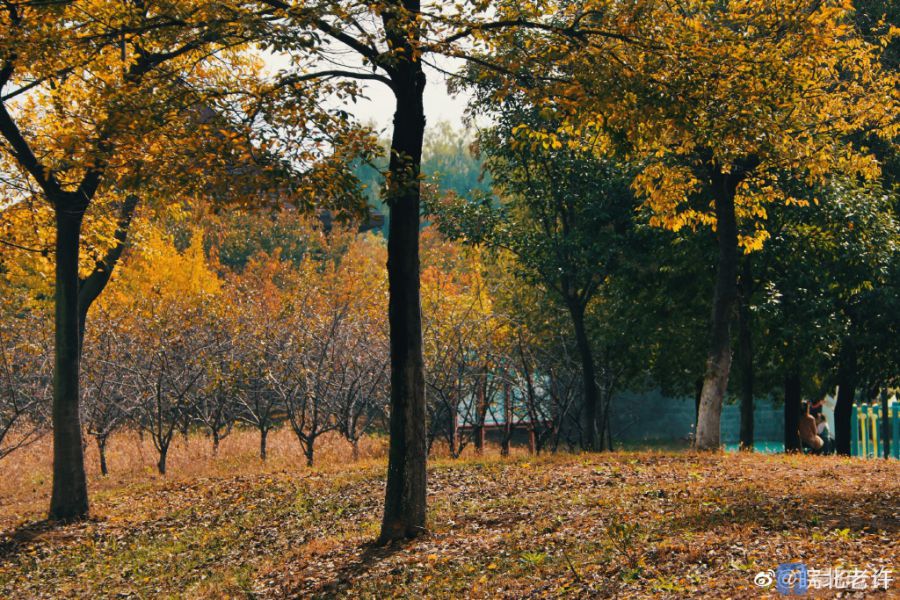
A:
625, 524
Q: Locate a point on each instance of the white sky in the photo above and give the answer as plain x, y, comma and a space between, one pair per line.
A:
378, 108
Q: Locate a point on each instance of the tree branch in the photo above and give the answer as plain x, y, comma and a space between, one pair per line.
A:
91, 286
26, 158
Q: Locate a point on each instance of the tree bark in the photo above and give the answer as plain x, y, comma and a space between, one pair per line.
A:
507, 420
792, 401
718, 361
885, 423
161, 463
698, 392
69, 499
310, 453
101, 449
263, 435
745, 356
480, 413
404, 505
590, 439
846, 391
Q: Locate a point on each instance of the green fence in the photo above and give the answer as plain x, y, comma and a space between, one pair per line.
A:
867, 430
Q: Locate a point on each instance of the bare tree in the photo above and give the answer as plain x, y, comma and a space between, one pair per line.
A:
26, 374
166, 368
363, 398
104, 403
214, 407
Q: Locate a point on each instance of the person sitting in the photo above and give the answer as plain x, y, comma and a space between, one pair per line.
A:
824, 432
808, 432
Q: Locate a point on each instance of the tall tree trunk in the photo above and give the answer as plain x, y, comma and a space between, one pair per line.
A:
698, 392
792, 401
718, 361
846, 391
69, 498
745, 356
885, 423
590, 439
101, 449
404, 505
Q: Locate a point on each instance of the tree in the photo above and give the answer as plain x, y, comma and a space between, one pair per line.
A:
85, 89
360, 364
261, 330
830, 296
460, 333
105, 399
391, 40
783, 87
214, 407
557, 198
167, 297
25, 372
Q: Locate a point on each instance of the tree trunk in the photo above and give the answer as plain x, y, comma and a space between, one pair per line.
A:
607, 425
885, 423
69, 499
698, 392
215, 437
454, 434
507, 421
309, 451
718, 361
590, 439
792, 401
101, 448
161, 463
404, 505
846, 391
480, 413
745, 356
355, 444
263, 435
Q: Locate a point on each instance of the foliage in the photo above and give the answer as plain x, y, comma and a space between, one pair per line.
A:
560, 526
782, 87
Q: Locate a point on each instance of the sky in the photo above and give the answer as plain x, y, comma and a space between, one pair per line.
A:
378, 108
439, 104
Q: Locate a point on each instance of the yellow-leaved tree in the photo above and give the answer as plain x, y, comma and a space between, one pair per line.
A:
104, 104
719, 103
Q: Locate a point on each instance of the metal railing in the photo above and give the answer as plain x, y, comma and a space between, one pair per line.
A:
867, 430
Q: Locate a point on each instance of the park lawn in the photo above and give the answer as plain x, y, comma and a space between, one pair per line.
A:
626, 524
